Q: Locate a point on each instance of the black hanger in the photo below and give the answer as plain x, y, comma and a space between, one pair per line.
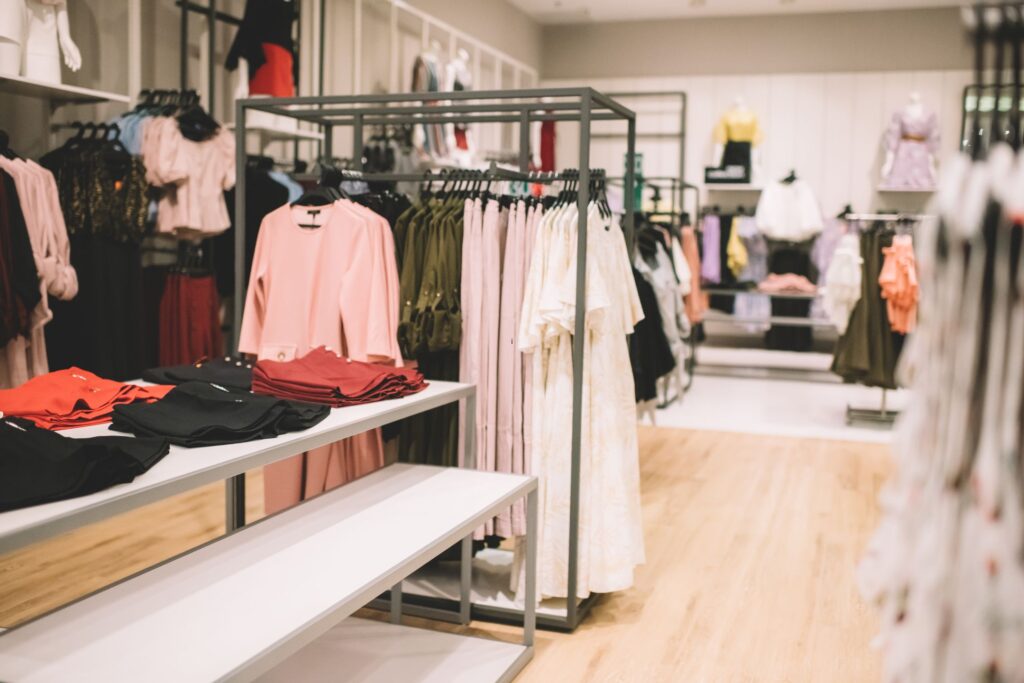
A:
791, 178
847, 210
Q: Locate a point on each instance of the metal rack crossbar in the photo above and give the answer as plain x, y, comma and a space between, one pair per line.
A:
582, 105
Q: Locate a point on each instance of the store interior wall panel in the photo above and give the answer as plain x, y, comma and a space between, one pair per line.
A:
828, 126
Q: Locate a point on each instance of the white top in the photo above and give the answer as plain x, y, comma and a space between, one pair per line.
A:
789, 211
237, 607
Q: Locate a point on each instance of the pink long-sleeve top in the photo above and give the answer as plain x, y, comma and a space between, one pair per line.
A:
335, 285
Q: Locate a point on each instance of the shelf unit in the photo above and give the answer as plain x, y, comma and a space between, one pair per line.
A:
584, 106
731, 187
276, 597
57, 93
268, 134
187, 468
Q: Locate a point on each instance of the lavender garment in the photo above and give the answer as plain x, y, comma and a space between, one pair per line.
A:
913, 140
821, 255
711, 259
757, 251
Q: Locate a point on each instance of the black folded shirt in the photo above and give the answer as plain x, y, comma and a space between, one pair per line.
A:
227, 372
195, 414
41, 466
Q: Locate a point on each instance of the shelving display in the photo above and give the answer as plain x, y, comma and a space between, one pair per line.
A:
56, 92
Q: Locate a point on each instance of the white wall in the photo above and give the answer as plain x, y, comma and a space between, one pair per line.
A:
827, 126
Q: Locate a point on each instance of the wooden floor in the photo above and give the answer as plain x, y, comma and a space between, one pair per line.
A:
752, 543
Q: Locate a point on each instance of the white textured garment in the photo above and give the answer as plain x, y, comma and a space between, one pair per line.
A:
610, 531
789, 211
844, 281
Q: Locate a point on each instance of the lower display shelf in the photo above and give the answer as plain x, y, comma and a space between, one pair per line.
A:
236, 608
366, 651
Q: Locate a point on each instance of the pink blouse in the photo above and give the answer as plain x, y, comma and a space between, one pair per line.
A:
333, 285
193, 175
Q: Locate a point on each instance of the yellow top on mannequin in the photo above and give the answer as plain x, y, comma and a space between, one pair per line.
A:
738, 125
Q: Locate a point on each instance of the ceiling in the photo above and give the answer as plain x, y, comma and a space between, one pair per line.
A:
575, 11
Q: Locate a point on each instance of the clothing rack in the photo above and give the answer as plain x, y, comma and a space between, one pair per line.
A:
680, 136
581, 105
882, 415
888, 217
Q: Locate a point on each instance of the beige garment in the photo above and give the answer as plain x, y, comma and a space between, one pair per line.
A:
23, 358
509, 448
469, 301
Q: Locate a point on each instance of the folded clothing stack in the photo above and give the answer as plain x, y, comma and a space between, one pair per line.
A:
786, 283
72, 398
197, 414
324, 377
227, 372
39, 466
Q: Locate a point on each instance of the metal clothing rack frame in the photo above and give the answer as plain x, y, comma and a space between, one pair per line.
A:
581, 105
683, 186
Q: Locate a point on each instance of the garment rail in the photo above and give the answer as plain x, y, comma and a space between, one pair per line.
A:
523, 107
883, 414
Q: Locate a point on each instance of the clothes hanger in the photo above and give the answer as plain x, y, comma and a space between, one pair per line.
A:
791, 178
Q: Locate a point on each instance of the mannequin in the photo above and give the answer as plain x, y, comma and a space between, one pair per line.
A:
262, 54
736, 131
912, 139
459, 137
48, 35
12, 35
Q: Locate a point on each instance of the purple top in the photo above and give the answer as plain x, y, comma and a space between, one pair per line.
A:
913, 140
711, 259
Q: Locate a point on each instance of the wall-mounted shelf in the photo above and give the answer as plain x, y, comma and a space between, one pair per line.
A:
889, 190
731, 187
268, 134
57, 93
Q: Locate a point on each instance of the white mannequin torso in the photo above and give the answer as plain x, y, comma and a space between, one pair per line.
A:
42, 50
12, 35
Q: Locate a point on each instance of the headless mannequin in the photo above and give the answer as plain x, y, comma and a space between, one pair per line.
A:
739, 107
12, 35
255, 118
33, 36
458, 71
914, 109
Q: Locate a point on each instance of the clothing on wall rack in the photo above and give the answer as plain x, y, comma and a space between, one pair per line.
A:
521, 106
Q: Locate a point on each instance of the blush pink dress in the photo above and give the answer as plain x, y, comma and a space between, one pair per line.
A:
335, 285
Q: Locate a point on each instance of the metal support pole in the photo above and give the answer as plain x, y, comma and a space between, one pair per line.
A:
328, 141
682, 156
466, 580
240, 264
357, 142
524, 141
183, 64
578, 340
530, 612
396, 603
211, 62
468, 462
629, 201
234, 503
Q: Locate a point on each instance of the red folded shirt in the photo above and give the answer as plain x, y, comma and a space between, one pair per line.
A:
72, 398
324, 377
